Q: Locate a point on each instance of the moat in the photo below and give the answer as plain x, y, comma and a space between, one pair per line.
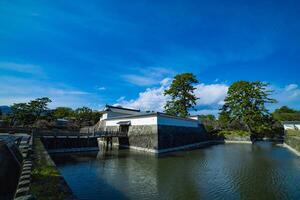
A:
232, 171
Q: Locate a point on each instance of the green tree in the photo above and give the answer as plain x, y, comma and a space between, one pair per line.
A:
224, 119
182, 95
245, 102
26, 114
63, 112
20, 114
286, 114
39, 106
285, 109
96, 117
84, 115
209, 122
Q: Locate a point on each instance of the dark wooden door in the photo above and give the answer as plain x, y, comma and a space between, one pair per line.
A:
124, 128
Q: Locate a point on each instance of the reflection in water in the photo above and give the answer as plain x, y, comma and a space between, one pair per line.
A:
236, 171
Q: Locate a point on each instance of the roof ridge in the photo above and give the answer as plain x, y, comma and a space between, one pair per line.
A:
122, 108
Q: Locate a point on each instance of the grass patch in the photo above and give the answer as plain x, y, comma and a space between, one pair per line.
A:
293, 133
234, 133
46, 180
293, 141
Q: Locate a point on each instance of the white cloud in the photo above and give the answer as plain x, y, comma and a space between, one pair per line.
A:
17, 90
139, 80
153, 98
166, 82
57, 91
101, 88
147, 76
211, 94
206, 112
22, 68
288, 95
291, 87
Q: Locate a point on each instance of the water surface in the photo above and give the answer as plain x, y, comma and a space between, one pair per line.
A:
231, 171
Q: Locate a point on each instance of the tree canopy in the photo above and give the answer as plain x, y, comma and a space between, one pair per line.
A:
286, 114
39, 106
63, 112
28, 113
246, 103
182, 95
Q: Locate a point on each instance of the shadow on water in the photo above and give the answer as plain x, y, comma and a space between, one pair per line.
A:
80, 172
231, 171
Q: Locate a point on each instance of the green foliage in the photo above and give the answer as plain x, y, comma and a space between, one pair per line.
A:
36, 113
293, 141
286, 114
85, 116
96, 117
245, 103
224, 120
21, 114
26, 114
234, 133
38, 107
46, 180
182, 95
293, 132
63, 112
207, 118
209, 122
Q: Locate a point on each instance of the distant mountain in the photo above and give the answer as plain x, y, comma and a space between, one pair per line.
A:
5, 109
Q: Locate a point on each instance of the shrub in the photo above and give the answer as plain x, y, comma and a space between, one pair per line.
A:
293, 132
234, 133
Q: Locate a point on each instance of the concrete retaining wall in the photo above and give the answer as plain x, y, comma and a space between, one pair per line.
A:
293, 143
171, 136
154, 138
144, 136
69, 142
10, 169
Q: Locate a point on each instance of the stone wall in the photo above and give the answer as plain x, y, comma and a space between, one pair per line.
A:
176, 136
138, 136
160, 137
69, 142
293, 142
47, 182
10, 169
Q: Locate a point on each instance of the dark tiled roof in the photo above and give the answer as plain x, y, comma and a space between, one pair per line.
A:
118, 107
151, 114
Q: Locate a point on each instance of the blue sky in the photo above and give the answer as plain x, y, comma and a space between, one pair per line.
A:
125, 52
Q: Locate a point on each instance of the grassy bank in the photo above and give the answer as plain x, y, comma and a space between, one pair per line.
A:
229, 135
293, 133
47, 183
293, 142
234, 133
292, 138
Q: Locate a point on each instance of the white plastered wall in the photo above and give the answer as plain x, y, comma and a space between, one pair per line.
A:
170, 121
151, 120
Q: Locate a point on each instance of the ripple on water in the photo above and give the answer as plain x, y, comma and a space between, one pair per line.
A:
219, 172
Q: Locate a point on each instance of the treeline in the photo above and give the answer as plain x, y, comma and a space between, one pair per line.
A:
244, 111
269, 126
286, 114
224, 125
36, 113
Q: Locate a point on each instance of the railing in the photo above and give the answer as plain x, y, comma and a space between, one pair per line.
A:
15, 130
108, 133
